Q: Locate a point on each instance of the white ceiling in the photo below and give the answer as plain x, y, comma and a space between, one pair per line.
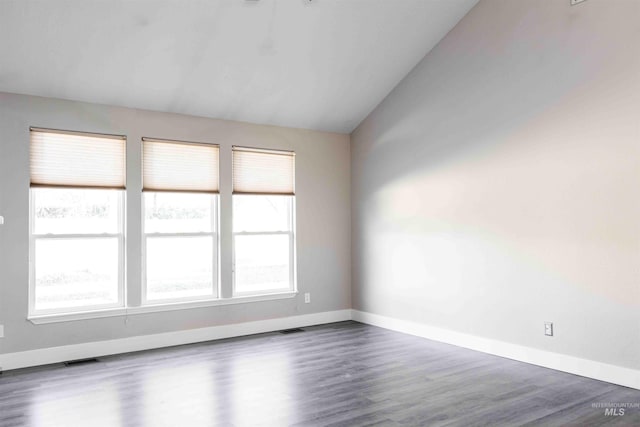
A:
319, 65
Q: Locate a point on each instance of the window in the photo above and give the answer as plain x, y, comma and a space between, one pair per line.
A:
263, 221
180, 204
76, 217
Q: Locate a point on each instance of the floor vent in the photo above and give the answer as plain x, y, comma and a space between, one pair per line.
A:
291, 331
80, 362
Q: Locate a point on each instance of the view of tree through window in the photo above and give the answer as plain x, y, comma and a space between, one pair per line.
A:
263, 243
181, 245
77, 245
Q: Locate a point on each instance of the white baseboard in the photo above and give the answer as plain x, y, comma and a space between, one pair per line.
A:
561, 362
50, 355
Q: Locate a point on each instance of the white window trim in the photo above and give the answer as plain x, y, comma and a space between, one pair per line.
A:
144, 302
293, 285
120, 304
156, 308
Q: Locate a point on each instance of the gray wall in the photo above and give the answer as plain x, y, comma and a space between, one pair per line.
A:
497, 185
323, 217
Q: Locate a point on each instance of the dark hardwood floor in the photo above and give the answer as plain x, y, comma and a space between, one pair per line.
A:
342, 374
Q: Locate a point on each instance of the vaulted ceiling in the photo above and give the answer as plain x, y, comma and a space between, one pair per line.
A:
320, 64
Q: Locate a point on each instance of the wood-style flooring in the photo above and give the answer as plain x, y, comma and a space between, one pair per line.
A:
342, 374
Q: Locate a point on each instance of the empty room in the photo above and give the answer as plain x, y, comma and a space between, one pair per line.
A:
319, 213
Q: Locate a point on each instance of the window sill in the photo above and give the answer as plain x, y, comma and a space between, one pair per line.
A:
80, 315
155, 308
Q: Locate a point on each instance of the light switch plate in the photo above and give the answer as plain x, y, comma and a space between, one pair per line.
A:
1, 220
548, 329
1, 331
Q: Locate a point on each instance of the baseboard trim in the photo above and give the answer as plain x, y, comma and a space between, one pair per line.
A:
46, 356
561, 362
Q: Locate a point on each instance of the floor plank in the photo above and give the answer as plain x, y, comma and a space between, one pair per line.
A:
341, 374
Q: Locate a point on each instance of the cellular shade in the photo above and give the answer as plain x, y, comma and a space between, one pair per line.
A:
179, 166
76, 159
258, 171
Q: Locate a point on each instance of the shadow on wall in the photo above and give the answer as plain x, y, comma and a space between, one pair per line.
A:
462, 103
495, 181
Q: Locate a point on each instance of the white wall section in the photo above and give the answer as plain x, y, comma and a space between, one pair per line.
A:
496, 187
323, 218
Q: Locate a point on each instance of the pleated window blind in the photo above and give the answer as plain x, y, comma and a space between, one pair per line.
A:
258, 171
77, 160
180, 166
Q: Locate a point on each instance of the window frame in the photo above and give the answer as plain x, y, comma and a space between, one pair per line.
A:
33, 238
214, 233
293, 286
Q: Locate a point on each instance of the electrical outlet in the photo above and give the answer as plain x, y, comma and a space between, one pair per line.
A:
548, 329
307, 298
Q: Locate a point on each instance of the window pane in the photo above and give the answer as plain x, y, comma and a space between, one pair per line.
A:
179, 267
76, 272
75, 211
178, 212
262, 263
261, 213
